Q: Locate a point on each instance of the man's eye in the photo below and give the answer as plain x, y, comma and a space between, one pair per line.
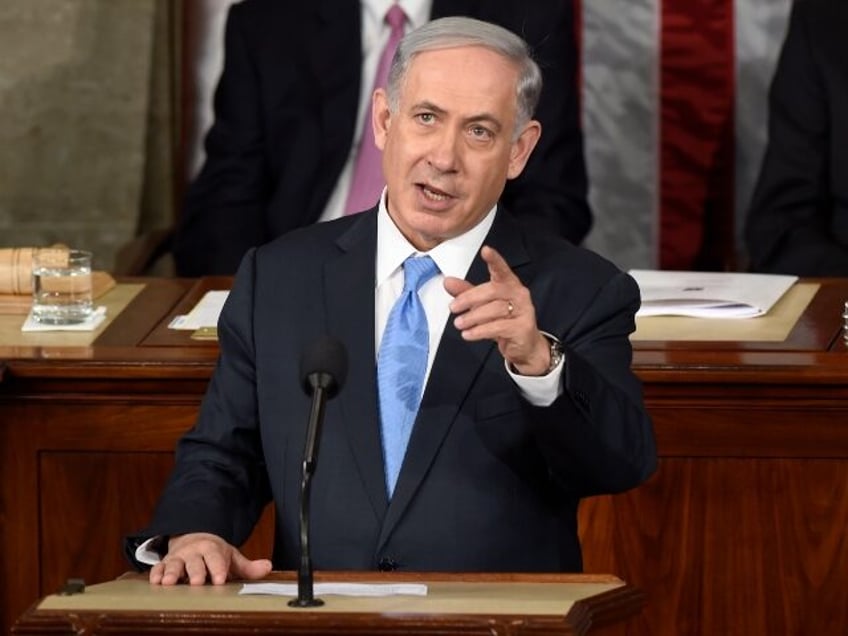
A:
426, 118
480, 132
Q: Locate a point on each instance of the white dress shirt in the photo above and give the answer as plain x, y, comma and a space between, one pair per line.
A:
454, 258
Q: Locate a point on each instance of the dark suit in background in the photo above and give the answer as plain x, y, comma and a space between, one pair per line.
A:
489, 483
286, 112
798, 221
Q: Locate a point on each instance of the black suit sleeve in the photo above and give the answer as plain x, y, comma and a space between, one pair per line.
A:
551, 194
223, 213
790, 225
597, 436
220, 482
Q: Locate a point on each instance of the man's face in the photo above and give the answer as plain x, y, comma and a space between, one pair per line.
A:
450, 147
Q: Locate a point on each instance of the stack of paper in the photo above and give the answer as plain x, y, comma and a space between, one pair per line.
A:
204, 314
709, 294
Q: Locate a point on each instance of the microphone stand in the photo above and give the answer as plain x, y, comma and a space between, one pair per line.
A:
305, 595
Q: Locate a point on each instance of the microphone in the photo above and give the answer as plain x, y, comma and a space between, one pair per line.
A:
323, 367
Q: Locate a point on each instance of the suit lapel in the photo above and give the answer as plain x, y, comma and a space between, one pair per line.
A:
455, 369
335, 56
349, 299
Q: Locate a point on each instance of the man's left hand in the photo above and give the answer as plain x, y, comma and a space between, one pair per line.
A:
501, 310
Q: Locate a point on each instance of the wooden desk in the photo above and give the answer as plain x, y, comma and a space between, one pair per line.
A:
512, 604
742, 529
86, 440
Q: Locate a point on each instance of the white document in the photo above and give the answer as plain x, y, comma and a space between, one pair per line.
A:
709, 294
204, 314
339, 589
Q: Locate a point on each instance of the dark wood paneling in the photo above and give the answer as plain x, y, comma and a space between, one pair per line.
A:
776, 429
729, 546
89, 501
79, 475
33, 431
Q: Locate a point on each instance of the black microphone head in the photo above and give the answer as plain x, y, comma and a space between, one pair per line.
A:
324, 363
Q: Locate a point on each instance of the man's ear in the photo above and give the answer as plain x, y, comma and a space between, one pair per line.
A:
523, 147
381, 117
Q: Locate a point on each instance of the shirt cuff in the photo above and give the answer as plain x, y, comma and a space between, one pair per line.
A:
148, 552
541, 390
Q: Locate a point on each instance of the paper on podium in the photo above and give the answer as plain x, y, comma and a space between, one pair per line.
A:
709, 294
339, 589
204, 314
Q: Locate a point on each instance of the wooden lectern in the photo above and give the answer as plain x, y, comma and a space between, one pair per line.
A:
740, 531
493, 604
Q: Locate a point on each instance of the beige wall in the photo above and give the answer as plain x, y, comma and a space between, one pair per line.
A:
77, 116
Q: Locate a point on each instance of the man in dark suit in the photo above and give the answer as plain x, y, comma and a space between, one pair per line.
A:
798, 221
286, 116
529, 402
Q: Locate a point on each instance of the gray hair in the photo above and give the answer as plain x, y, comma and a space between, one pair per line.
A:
446, 33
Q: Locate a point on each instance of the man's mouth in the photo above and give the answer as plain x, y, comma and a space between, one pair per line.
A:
433, 194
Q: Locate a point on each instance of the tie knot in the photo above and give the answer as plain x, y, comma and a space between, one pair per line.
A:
395, 17
417, 270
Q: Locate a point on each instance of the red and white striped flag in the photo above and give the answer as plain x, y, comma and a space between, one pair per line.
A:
674, 97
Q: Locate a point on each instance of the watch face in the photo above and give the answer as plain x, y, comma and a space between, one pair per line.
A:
556, 355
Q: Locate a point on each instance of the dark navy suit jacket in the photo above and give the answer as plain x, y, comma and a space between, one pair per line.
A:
489, 482
798, 221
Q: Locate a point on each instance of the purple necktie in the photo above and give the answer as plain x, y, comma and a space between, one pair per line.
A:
368, 179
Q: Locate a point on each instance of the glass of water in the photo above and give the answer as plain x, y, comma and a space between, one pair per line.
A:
61, 286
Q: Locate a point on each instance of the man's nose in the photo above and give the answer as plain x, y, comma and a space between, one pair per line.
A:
445, 151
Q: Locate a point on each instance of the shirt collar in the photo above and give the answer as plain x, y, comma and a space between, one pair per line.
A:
417, 11
454, 256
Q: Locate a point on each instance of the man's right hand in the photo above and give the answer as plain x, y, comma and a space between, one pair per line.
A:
199, 556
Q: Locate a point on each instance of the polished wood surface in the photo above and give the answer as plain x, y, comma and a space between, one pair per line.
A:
526, 604
86, 443
741, 530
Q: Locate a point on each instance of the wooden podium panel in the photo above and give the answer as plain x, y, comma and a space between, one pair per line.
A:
741, 530
555, 605
87, 433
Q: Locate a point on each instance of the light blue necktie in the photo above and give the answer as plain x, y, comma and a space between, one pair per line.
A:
401, 364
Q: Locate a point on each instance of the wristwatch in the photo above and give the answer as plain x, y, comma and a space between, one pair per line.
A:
556, 352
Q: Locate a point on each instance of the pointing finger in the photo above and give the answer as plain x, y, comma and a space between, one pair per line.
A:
499, 271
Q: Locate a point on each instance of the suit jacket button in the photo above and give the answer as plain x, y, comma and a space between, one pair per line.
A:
387, 564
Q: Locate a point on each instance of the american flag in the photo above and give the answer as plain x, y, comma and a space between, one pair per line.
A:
674, 97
